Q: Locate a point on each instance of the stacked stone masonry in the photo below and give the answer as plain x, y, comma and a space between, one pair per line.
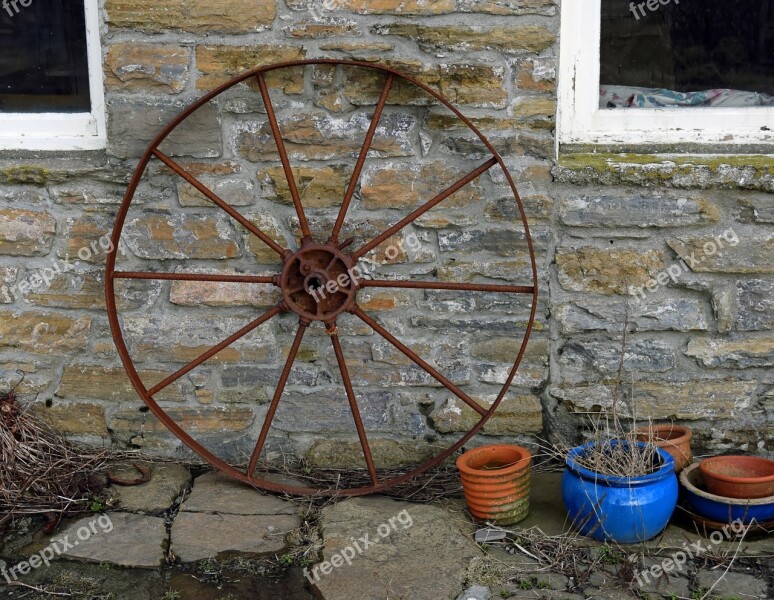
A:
700, 347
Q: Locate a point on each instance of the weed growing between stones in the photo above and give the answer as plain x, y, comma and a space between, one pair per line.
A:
561, 553
486, 571
306, 542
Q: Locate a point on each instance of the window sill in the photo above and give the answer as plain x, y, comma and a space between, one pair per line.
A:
704, 171
53, 144
49, 168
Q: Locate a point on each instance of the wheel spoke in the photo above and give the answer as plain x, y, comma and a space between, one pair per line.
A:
425, 207
219, 201
215, 349
194, 277
354, 407
283, 156
361, 159
277, 395
433, 285
416, 359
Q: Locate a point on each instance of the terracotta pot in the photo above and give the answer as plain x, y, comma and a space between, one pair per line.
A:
699, 503
675, 439
496, 481
738, 476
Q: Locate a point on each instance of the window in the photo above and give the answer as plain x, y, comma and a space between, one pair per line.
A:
667, 71
51, 95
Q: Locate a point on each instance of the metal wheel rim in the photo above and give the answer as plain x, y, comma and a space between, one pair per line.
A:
112, 274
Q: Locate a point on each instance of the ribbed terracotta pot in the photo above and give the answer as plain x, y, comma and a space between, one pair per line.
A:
496, 480
675, 439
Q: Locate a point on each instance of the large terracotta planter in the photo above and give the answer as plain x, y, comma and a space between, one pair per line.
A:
496, 480
738, 476
675, 439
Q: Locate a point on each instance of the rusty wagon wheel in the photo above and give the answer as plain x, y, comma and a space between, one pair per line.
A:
305, 273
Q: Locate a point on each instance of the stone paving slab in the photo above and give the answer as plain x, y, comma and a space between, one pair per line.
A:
476, 592
733, 585
168, 481
134, 540
225, 517
198, 536
667, 583
216, 493
423, 560
283, 478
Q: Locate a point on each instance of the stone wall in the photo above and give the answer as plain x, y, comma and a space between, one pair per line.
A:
700, 346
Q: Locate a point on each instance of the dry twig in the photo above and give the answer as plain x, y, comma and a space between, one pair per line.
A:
41, 472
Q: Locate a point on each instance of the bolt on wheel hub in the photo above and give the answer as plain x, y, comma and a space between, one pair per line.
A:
319, 282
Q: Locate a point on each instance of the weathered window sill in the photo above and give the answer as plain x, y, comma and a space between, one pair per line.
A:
46, 168
740, 171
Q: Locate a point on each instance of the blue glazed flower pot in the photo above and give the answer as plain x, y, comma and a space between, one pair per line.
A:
626, 510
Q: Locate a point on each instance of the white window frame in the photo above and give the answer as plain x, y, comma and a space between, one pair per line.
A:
581, 121
64, 131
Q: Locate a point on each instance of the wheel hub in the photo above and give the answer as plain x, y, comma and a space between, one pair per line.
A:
317, 282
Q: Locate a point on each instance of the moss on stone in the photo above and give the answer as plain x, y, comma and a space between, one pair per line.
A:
718, 171
763, 164
25, 175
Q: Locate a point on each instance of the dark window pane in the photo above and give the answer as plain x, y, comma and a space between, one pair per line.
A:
43, 62
680, 48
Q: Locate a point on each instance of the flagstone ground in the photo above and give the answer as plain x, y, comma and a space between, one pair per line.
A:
209, 538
